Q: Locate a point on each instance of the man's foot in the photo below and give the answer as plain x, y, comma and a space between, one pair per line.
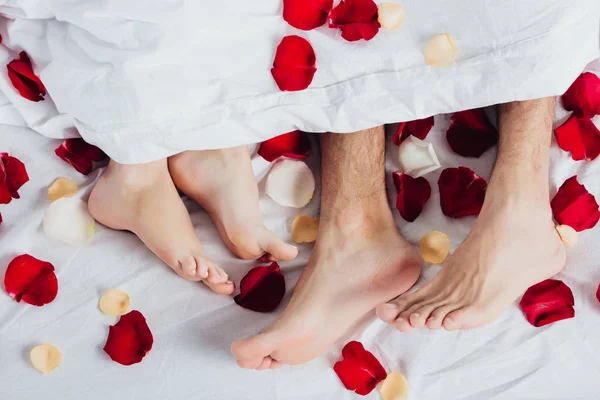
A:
355, 265
222, 181
512, 246
143, 199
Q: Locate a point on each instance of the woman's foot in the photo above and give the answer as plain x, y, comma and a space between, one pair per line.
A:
222, 181
143, 199
357, 263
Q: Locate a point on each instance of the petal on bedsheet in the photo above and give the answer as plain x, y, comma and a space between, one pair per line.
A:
80, 154
412, 195
295, 144
547, 302
357, 19
359, 370
583, 97
461, 192
306, 14
20, 73
130, 339
13, 175
573, 205
31, 279
470, 133
580, 137
295, 64
419, 128
261, 289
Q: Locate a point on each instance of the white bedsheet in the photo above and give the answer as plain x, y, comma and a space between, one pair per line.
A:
506, 360
144, 79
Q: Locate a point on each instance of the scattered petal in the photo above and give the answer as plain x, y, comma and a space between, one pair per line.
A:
13, 175
573, 205
45, 358
129, 340
294, 144
440, 51
580, 137
435, 246
391, 16
295, 64
306, 14
357, 19
32, 280
394, 387
304, 229
417, 157
583, 97
359, 370
0, 218
290, 183
568, 235
461, 192
470, 133
68, 220
20, 73
412, 195
548, 301
418, 128
62, 187
80, 154
114, 302
261, 289
598, 293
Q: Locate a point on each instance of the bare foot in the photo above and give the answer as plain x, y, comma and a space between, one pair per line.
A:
353, 267
143, 199
222, 181
513, 245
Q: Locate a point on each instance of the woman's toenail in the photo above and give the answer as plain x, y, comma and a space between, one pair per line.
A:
391, 306
193, 271
400, 319
416, 315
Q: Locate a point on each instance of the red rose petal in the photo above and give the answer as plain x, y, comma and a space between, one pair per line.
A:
418, 128
580, 137
31, 279
261, 289
13, 175
412, 195
80, 154
306, 14
573, 205
20, 73
583, 97
0, 218
129, 340
470, 133
548, 301
598, 293
461, 192
359, 370
357, 19
294, 144
294, 65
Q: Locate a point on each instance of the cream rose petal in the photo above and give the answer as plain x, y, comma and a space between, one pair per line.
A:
304, 229
114, 302
440, 51
394, 387
568, 235
68, 220
62, 187
435, 246
45, 358
391, 16
417, 157
290, 183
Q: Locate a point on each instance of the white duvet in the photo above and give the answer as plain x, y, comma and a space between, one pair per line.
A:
144, 79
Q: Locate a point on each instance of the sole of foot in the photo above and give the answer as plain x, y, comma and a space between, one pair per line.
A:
143, 199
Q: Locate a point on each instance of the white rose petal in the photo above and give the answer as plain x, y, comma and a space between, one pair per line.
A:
391, 16
417, 157
114, 302
45, 358
290, 183
568, 235
440, 51
68, 220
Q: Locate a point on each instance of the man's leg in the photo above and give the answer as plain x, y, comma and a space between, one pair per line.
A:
359, 259
512, 245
